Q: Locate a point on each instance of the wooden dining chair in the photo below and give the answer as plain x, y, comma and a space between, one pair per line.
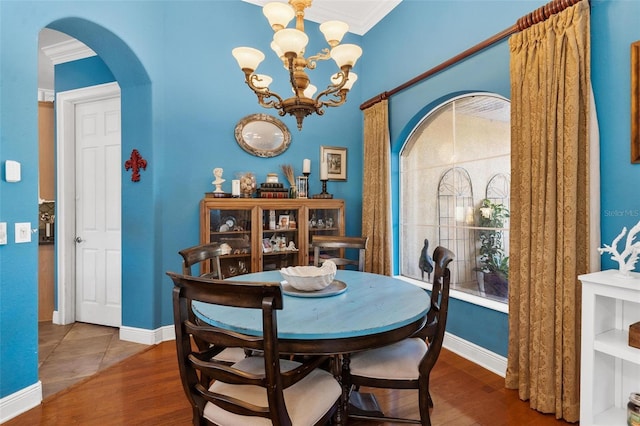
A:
333, 243
257, 388
407, 364
207, 256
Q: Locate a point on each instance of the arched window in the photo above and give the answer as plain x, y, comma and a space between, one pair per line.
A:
455, 162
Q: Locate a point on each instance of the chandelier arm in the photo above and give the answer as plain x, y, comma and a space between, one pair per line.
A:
269, 104
264, 93
335, 90
324, 55
340, 98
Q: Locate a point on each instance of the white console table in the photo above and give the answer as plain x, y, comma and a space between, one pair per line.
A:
610, 368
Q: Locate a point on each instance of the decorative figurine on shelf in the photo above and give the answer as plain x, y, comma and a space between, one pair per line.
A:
425, 263
292, 246
217, 173
225, 248
629, 256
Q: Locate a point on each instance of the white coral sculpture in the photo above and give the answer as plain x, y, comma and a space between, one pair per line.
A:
628, 258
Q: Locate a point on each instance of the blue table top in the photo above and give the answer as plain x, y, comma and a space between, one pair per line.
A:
371, 304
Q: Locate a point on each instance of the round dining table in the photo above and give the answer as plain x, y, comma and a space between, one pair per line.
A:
365, 311
373, 310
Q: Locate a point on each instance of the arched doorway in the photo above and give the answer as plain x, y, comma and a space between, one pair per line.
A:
136, 132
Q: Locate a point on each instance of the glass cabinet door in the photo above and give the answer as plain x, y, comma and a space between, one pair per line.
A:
324, 221
231, 228
280, 238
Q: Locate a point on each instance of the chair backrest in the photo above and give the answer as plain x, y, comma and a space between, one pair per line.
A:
437, 316
194, 363
335, 242
207, 255
441, 259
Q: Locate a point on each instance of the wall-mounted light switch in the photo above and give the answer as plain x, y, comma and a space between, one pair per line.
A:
3, 233
12, 171
23, 232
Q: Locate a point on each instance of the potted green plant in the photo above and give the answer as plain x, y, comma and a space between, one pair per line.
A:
494, 262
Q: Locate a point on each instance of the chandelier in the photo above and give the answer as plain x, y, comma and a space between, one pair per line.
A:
289, 44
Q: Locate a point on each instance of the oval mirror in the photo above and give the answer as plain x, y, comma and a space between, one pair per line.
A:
262, 135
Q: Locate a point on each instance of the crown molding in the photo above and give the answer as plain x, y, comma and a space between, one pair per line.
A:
67, 51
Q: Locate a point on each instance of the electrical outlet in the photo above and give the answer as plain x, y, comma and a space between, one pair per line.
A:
3, 233
23, 232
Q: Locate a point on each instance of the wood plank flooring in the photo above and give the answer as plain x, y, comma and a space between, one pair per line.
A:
145, 389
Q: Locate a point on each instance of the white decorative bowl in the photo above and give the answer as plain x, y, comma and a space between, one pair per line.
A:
310, 278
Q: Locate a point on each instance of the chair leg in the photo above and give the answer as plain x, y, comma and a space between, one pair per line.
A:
425, 402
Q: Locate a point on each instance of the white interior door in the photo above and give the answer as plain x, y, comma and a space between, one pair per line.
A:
98, 213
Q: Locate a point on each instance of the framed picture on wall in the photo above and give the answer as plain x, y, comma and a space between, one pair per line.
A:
334, 159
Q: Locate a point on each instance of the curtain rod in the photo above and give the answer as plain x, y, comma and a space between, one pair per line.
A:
532, 18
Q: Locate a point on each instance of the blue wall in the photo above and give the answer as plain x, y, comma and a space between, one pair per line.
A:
182, 95
82, 73
615, 25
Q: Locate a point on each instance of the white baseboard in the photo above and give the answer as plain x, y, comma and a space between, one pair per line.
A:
147, 337
21, 401
476, 354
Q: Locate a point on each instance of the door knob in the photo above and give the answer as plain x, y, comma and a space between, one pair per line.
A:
79, 240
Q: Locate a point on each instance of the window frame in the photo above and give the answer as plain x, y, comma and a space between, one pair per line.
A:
477, 299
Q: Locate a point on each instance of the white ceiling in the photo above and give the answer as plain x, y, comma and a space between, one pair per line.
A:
361, 15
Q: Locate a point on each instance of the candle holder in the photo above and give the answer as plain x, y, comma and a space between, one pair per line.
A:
303, 186
324, 193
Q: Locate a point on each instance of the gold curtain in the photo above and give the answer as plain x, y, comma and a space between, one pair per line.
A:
549, 234
376, 207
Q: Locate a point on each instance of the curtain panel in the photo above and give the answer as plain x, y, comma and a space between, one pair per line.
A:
549, 234
376, 198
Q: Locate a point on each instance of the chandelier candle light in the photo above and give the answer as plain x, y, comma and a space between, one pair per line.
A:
289, 44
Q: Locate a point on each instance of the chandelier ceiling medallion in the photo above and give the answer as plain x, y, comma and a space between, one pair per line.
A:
289, 44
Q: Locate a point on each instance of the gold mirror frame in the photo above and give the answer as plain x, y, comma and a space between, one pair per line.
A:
262, 135
635, 102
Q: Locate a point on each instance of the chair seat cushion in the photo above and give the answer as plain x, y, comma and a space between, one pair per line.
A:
398, 361
231, 355
307, 401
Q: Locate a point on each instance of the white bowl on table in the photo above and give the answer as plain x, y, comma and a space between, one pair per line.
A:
310, 278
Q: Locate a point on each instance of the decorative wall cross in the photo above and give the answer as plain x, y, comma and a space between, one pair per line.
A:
135, 162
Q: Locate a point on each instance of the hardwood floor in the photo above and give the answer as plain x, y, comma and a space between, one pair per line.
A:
145, 389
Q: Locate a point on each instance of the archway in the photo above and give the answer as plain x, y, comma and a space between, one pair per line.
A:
137, 235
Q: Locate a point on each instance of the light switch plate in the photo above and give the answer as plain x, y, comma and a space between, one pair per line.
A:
23, 232
12, 171
3, 233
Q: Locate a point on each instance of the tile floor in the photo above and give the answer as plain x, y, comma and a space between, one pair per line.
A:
70, 353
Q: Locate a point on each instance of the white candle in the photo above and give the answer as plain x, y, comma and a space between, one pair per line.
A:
323, 171
235, 187
306, 166
469, 218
